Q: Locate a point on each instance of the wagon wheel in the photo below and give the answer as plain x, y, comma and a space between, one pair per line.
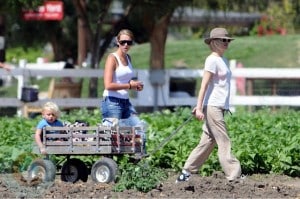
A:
74, 170
42, 169
21, 164
104, 170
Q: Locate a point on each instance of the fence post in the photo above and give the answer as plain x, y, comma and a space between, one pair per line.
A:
233, 90
157, 79
22, 79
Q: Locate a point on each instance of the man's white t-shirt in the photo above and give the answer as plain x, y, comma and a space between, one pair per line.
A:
218, 91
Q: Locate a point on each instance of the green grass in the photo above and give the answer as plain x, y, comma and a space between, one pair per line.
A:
252, 51
265, 52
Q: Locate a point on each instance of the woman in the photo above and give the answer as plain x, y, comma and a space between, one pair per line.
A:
213, 101
118, 74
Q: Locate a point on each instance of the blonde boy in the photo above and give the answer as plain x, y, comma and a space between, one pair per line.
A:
50, 114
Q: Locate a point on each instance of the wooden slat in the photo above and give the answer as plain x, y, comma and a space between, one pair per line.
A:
98, 140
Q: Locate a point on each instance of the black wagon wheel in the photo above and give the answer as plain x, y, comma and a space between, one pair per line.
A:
42, 169
104, 170
74, 170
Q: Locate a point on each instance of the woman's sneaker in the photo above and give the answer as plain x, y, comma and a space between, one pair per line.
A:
183, 177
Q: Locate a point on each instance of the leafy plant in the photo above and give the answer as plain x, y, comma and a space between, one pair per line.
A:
141, 176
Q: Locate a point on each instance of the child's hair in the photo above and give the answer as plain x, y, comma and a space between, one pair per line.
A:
53, 107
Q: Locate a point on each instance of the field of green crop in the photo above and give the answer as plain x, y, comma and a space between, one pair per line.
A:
264, 141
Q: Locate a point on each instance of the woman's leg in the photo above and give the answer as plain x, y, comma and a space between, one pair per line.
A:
201, 152
111, 112
216, 125
111, 108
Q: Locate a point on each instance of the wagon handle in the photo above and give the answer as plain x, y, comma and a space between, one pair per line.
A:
169, 137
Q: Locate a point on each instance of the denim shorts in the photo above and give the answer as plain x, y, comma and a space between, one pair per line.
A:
113, 107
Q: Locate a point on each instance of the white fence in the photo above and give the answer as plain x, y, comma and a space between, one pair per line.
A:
156, 91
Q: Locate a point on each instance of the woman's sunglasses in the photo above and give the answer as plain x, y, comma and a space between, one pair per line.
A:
128, 42
225, 40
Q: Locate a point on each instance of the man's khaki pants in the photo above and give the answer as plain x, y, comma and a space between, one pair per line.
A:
214, 132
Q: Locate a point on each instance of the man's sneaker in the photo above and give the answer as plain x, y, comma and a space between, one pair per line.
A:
183, 177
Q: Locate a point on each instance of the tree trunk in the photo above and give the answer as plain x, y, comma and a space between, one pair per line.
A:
157, 42
93, 84
84, 31
56, 40
2, 36
85, 41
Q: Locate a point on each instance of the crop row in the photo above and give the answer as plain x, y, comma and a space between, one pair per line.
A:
264, 141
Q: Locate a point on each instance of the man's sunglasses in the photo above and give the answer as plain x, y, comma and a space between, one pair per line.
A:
128, 42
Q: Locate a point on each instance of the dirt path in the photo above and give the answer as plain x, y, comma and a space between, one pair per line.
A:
256, 186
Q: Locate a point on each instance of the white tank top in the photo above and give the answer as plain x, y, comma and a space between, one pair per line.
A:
121, 75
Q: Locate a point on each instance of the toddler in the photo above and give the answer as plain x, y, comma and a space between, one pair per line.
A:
50, 114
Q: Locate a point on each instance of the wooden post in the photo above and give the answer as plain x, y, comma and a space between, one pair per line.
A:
249, 89
233, 90
274, 90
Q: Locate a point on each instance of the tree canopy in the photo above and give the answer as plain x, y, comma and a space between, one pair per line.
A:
147, 18
88, 27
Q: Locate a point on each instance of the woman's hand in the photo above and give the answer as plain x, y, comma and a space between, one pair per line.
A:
137, 85
198, 113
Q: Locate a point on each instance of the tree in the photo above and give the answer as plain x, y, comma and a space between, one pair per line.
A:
31, 33
84, 31
149, 20
155, 21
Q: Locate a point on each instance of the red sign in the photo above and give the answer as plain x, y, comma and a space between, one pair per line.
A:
51, 10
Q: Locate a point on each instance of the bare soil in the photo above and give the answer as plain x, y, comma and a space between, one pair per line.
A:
215, 186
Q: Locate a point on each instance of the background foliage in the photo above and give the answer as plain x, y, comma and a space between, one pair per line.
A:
280, 14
